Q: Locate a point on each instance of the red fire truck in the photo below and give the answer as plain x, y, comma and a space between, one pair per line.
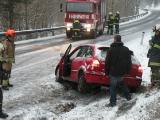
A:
85, 17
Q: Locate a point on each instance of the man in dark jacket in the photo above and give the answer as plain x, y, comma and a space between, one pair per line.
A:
117, 64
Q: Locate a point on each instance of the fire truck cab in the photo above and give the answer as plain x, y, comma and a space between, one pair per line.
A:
85, 17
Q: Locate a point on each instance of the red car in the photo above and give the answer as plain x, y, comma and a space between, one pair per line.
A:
85, 66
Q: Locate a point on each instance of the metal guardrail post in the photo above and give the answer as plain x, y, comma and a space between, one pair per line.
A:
53, 33
142, 38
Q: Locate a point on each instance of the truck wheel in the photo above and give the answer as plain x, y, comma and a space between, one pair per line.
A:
58, 77
94, 34
68, 35
82, 86
102, 30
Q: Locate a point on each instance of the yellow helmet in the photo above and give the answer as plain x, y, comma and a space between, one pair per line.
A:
76, 21
117, 12
156, 28
110, 13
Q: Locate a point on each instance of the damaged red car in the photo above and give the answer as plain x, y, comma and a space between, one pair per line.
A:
85, 66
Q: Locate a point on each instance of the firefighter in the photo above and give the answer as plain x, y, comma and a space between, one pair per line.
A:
2, 115
76, 30
154, 56
110, 23
76, 24
116, 22
8, 57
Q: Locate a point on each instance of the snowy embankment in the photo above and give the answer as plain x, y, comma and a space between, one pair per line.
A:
142, 101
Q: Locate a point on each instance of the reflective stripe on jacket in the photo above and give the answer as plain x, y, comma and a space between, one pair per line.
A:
9, 51
156, 46
154, 64
1, 51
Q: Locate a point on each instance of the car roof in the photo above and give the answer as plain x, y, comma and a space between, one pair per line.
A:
95, 45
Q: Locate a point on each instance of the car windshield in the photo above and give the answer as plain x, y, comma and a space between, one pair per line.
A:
80, 7
102, 52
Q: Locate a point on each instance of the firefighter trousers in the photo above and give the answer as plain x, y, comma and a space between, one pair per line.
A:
155, 76
117, 28
110, 30
6, 73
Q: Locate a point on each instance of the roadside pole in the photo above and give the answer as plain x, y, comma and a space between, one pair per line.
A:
142, 38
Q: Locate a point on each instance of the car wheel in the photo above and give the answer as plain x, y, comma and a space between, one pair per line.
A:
58, 77
133, 90
82, 85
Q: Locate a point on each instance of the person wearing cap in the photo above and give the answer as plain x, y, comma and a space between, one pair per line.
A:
117, 64
8, 57
116, 22
154, 56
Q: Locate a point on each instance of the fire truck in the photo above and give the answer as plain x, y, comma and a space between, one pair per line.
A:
85, 18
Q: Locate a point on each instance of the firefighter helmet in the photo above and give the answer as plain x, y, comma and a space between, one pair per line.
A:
10, 33
156, 28
117, 12
110, 13
76, 21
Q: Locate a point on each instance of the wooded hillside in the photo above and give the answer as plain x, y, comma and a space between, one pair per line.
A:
33, 14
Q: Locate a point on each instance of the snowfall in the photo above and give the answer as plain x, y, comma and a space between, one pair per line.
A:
24, 103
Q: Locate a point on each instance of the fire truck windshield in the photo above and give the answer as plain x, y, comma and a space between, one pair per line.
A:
80, 7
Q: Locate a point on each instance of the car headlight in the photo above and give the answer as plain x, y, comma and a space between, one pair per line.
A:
68, 26
87, 26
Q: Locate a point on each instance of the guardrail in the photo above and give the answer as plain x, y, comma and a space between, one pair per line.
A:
24, 32
36, 30
123, 19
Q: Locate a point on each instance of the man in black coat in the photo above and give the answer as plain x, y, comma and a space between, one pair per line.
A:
117, 64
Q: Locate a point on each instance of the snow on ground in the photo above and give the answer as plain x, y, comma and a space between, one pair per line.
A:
154, 8
138, 18
140, 51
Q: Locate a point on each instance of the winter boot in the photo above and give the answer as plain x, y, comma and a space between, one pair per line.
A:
9, 84
5, 87
3, 115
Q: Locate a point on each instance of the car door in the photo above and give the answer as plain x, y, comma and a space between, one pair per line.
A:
64, 63
77, 59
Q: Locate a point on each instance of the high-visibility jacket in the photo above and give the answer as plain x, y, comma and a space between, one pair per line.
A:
154, 52
9, 51
110, 20
76, 25
8, 55
1, 51
116, 19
